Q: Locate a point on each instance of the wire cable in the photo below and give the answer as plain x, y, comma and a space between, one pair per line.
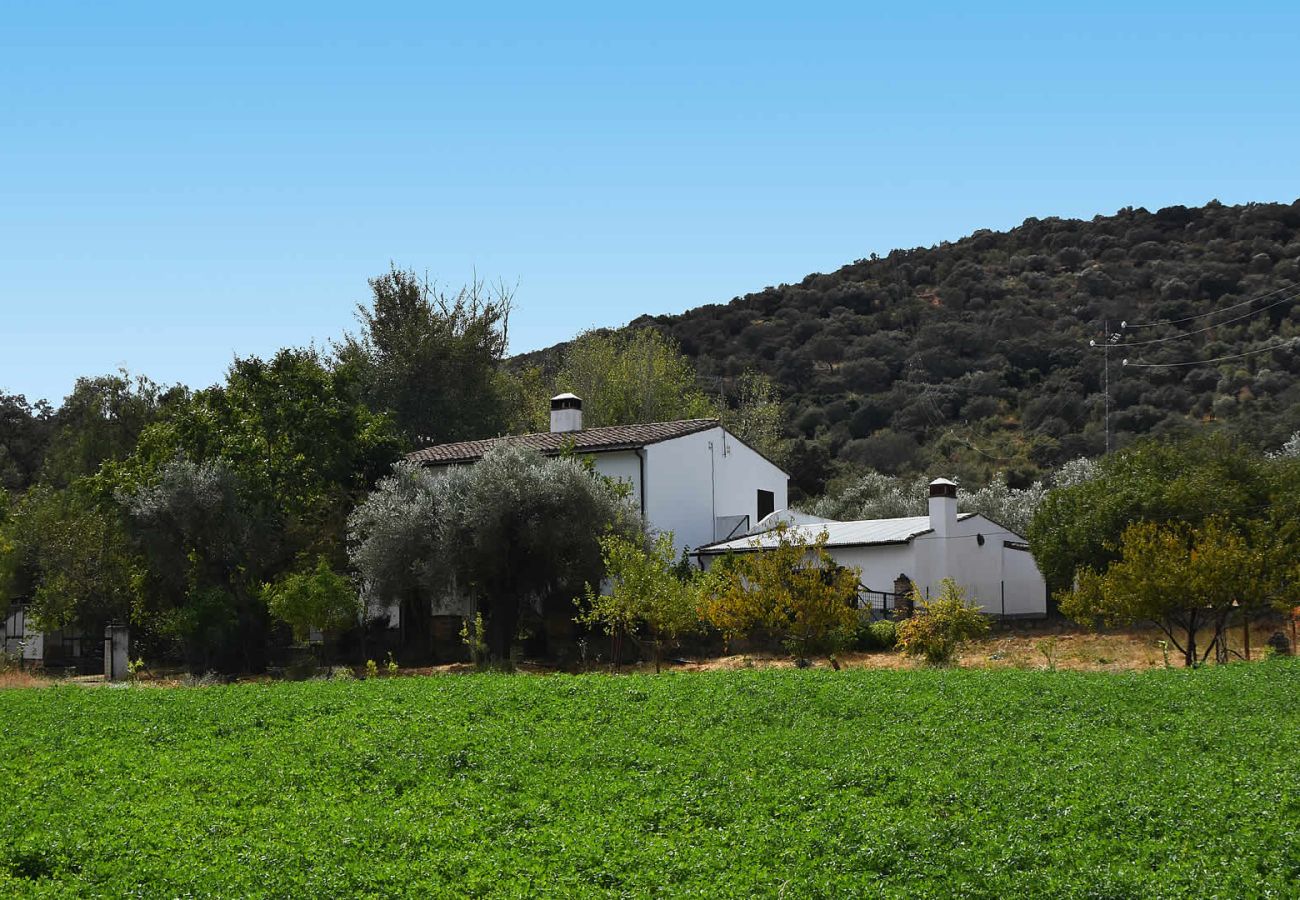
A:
1247, 315
1289, 342
1127, 325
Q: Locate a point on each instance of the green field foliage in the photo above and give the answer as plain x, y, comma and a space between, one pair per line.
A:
792, 783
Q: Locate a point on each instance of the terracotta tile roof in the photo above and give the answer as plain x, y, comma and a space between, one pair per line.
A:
549, 443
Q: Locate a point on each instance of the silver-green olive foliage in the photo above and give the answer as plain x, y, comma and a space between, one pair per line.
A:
515, 528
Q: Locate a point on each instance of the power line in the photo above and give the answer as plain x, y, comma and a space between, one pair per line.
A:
1289, 342
1247, 315
1213, 312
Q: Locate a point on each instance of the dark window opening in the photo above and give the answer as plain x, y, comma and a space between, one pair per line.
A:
766, 504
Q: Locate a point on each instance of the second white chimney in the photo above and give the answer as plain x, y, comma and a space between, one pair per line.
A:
943, 507
566, 413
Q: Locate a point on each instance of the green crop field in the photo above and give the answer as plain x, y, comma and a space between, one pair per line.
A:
738, 784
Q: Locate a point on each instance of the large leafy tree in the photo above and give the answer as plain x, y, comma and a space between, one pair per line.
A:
102, 419
512, 531
294, 434
1077, 526
24, 434
66, 553
631, 376
430, 357
639, 375
1183, 578
755, 415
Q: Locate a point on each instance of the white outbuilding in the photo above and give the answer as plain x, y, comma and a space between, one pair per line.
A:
992, 563
691, 477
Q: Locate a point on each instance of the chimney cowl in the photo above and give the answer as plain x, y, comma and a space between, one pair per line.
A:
566, 413
942, 487
943, 507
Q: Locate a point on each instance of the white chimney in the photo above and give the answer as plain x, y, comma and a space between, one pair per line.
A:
943, 507
566, 413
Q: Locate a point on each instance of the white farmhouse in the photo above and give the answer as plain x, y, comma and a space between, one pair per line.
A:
693, 477
992, 563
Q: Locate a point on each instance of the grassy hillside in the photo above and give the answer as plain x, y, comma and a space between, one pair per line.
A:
972, 357
740, 784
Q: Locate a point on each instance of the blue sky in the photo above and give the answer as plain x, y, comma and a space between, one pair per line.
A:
181, 183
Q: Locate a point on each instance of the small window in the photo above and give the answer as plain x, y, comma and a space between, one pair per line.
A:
766, 504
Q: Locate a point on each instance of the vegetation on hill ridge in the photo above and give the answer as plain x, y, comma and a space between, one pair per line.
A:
973, 357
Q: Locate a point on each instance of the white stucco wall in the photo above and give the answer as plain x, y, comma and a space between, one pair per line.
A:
624, 466
981, 568
880, 564
693, 481
984, 570
1026, 587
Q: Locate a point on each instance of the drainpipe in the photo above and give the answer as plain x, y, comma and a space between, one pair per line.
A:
640, 458
713, 494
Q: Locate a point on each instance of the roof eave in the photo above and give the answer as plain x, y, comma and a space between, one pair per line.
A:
716, 550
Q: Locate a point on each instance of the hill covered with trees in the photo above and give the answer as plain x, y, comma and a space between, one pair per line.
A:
973, 357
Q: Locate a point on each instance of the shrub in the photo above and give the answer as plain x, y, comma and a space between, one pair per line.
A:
941, 625
885, 634
878, 635
473, 636
320, 598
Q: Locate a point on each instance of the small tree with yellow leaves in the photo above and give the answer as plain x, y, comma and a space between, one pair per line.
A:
940, 626
794, 589
1181, 578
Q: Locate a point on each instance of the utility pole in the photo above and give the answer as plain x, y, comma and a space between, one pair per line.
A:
1105, 378
1106, 341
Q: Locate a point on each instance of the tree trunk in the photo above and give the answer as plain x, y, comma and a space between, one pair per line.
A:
1189, 654
501, 628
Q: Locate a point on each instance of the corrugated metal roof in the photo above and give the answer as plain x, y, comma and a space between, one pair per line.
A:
550, 443
861, 533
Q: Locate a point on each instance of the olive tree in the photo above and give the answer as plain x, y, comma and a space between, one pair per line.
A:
514, 529
205, 550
